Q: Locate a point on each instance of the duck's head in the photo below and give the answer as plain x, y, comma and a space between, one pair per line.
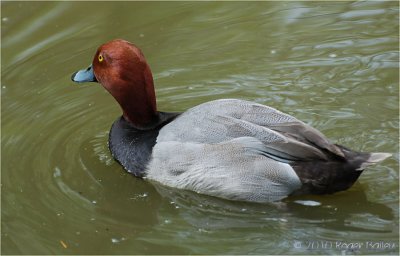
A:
121, 68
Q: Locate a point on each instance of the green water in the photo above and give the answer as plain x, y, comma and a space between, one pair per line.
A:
333, 65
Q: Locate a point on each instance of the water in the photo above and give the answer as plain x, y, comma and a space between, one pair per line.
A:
333, 65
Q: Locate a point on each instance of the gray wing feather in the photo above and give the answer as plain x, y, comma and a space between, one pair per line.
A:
285, 138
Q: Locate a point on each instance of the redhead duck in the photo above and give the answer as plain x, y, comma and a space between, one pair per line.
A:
228, 148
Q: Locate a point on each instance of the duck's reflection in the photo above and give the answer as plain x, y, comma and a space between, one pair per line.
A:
344, 211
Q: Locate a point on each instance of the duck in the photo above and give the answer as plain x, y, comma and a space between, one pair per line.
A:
228, 148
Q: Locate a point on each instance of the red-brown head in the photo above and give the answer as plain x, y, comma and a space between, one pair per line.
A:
123, 71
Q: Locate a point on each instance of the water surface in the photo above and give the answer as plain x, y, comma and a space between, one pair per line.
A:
333, 65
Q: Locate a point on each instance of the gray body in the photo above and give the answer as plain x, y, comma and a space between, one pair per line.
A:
237, 150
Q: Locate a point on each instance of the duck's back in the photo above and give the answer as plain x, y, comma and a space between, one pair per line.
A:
285, 137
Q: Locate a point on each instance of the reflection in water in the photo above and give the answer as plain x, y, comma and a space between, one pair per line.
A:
206, 212
346, 213
333, 211
338, 211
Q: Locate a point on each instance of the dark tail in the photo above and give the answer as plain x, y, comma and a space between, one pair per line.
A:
336, 174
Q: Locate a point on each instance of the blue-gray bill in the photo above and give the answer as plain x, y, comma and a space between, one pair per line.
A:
84, 75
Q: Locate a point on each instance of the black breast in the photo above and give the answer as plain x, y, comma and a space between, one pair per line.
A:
132, 147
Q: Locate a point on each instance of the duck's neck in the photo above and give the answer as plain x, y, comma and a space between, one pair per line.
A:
138, 101
140, 115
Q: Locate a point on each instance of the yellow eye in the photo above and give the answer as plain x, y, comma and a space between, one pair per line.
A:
100, 58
